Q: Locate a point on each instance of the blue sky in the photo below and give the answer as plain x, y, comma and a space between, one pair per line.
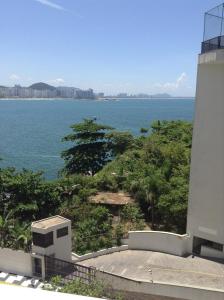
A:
112, 46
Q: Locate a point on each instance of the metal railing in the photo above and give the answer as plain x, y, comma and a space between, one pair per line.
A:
212, 44
67, 270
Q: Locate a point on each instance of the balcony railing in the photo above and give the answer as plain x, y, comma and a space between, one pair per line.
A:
212, 44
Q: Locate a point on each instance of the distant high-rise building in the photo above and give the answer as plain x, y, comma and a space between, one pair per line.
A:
66, 92
84, 94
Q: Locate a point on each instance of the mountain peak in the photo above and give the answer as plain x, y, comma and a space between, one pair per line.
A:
41, 86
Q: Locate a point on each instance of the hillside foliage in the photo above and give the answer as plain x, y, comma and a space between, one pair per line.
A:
153, 167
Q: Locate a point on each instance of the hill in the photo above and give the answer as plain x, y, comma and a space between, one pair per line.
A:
42, 86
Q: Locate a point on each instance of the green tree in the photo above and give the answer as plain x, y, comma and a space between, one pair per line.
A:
152, 186
27, 194
120, 141
92, 228
144, 130
13, 234
20, 236
6, 225
90, 151
95, 288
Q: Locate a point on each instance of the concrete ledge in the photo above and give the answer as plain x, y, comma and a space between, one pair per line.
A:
158, 241
154, 288
212, 57
76, 257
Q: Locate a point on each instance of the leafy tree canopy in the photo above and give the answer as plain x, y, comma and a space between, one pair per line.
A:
90, 151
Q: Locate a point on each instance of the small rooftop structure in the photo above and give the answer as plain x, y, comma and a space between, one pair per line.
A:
49, 222
109, 198
51, 237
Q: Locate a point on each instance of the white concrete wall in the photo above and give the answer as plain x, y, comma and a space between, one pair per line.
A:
159, 289
63, 245
206, 195
76, 257
158, 241
15, 261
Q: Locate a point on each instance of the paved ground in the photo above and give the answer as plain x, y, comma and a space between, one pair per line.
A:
161, 267
19, 280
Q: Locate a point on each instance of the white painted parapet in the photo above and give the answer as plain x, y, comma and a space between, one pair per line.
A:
159, 241
15, 261
76, 257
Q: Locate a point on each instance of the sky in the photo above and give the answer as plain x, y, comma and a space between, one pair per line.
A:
112, 46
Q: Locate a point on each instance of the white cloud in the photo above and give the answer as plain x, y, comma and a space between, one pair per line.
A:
57, 81
51, 4
172, 86
58, 7
14, 77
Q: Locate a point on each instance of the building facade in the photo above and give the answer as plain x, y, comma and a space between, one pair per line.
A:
205, 221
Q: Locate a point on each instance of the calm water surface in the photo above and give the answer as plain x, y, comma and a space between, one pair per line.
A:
31, 130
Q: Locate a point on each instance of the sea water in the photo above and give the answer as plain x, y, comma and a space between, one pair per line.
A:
31, 130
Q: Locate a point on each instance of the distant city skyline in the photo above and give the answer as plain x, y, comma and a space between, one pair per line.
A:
113, 46
44, 90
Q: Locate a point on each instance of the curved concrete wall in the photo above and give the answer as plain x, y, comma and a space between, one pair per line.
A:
159, 241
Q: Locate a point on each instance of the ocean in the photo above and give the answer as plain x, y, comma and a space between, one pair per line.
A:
31, 130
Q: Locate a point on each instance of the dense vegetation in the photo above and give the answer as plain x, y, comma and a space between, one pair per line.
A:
156, 173
153, 168
93, 289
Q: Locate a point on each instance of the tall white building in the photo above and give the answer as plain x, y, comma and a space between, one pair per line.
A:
84, 94
205, 223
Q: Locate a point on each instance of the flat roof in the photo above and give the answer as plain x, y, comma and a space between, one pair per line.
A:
110, 198
161, 267
49, 222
